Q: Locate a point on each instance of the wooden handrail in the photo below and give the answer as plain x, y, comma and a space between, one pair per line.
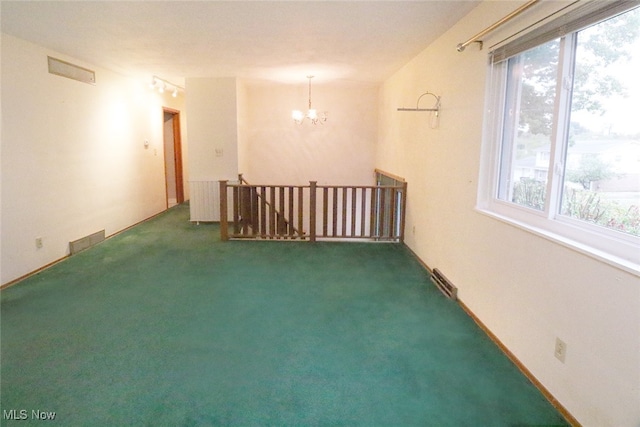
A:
390, 175
281, 220
374, 212
224, 226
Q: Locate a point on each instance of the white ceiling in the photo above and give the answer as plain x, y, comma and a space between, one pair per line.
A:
273, 40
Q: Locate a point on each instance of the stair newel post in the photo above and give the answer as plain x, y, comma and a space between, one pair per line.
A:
312, 210
403, 212
224, 224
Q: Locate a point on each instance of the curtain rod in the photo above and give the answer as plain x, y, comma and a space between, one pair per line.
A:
518, 11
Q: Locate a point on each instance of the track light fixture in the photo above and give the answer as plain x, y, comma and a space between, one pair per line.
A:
312, 114
163, 85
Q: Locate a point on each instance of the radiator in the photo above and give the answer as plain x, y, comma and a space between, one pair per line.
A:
445, 286
204, 201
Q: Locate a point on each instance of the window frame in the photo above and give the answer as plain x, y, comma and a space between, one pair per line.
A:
616, 248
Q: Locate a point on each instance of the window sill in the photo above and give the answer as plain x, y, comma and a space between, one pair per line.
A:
612, 260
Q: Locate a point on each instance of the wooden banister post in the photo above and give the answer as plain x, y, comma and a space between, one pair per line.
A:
224, 224
312, 210
403, 214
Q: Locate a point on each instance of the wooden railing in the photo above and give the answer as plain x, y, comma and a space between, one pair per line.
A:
249, 202
310, 212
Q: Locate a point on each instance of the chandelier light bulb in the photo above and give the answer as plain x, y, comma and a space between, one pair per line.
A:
297, 116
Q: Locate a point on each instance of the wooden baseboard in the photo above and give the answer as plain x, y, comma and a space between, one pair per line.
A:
44, 267
563, 411
556, 404
36, 271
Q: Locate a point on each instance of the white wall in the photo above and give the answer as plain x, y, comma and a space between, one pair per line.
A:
243, 119
73, 156
250, 124
213, 125
1, 281
213, 132
275, 150
526, 289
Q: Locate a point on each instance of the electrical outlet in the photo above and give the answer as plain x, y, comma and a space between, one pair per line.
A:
38, 242
561, 350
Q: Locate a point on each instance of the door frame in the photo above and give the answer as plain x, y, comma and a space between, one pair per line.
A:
177, 155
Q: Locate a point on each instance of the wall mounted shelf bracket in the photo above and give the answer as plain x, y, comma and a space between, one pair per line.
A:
435, 108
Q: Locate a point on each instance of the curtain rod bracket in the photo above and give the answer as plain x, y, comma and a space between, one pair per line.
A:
489, 29
461, 47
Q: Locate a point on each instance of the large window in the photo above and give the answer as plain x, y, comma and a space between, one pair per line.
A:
563, 144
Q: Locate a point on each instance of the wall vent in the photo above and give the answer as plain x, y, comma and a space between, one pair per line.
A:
72, 71
445, 286
86, 242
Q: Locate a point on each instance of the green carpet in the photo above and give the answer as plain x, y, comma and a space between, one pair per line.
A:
166, 325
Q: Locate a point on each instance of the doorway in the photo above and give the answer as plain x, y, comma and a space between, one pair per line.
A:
173, 157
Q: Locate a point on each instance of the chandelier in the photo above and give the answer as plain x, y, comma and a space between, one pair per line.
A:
312, 114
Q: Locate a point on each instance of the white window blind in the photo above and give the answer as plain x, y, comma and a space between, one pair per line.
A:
590, 13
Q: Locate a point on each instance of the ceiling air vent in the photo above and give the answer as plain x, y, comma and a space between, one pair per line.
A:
66, 69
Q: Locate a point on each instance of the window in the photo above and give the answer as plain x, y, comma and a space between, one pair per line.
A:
562, 148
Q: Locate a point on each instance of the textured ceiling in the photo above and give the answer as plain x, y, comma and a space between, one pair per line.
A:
281, 41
